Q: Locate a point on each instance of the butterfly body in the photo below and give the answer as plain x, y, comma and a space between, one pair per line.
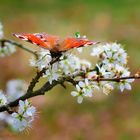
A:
54, 43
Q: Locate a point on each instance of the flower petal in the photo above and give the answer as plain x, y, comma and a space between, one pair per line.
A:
80, 99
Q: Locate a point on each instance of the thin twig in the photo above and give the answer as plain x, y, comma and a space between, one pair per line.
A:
18, 45
117, 79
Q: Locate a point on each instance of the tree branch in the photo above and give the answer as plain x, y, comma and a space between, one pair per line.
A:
47, 86
71, 78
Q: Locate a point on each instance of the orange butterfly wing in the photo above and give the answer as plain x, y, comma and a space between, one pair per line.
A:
43, 40
32, 39
54, 43
70, 43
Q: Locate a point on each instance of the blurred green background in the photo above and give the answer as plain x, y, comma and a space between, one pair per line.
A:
115, 117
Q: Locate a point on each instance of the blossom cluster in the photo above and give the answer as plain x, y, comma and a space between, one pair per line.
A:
25, 115
7, 49
112, 64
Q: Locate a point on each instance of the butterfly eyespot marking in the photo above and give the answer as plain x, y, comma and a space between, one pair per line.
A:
39, 36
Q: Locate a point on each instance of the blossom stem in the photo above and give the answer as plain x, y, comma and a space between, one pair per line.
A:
18, 45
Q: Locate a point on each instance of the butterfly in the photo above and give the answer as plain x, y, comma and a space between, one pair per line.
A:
55, 43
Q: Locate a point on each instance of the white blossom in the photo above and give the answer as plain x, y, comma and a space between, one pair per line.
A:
118, 55
125, 84
86, 88
78, 94
121, 71
15, 88
52, 73
25, 115
7, 49
69, 64
19, 124
43, 60
26, 109
103, 72
3, 99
